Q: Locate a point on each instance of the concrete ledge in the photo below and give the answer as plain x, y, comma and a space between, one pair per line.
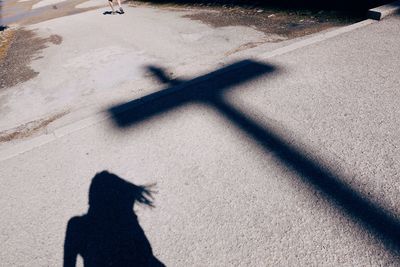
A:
26, 146
380, 12
315, 39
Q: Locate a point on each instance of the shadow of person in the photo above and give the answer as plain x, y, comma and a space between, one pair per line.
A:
110, 234
110, 13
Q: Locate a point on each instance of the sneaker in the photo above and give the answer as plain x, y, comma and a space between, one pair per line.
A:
121, 11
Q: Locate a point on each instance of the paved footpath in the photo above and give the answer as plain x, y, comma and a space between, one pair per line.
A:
285, 160
98, 59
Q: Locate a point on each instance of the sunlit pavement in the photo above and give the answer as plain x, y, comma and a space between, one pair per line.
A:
291, 160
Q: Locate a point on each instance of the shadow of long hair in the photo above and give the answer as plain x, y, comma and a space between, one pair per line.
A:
110, 234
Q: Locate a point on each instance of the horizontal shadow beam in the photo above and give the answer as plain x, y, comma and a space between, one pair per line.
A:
197, 89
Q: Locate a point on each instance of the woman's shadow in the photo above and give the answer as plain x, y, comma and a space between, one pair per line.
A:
110, 234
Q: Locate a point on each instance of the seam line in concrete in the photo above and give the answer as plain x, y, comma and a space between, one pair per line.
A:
41, 140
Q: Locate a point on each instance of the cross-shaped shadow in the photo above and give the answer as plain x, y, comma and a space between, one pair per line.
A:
209, 90
201, 89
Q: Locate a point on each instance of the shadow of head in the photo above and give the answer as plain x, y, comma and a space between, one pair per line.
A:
109, 193
3, 27
203, 89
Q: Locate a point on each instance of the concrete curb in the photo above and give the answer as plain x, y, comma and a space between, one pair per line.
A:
315, 39
380, 12
38, 141
46, 138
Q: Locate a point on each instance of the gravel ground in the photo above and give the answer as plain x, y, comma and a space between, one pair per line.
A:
286, 22
277, 24
25, 46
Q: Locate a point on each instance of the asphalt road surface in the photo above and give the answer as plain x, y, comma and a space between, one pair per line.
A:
290, 160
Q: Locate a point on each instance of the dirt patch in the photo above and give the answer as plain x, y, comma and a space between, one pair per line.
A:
278, 23
22, 47
6, 35
28, 129
55, 39
355, 7
245, 47
281, 23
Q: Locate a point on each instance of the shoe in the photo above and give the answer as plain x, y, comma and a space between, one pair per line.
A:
113, 12
121, 11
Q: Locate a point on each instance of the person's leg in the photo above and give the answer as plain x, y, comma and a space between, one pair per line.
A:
110, 2
120, 7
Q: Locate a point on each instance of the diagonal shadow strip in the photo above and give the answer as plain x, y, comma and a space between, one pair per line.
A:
370, 215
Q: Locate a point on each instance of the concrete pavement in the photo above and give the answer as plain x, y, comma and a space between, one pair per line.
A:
225, 194
87, 71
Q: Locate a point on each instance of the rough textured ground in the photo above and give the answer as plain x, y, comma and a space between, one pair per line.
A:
258, 30
82, 69
285, 23
23, 46
294, 166
6, 35
225, 196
